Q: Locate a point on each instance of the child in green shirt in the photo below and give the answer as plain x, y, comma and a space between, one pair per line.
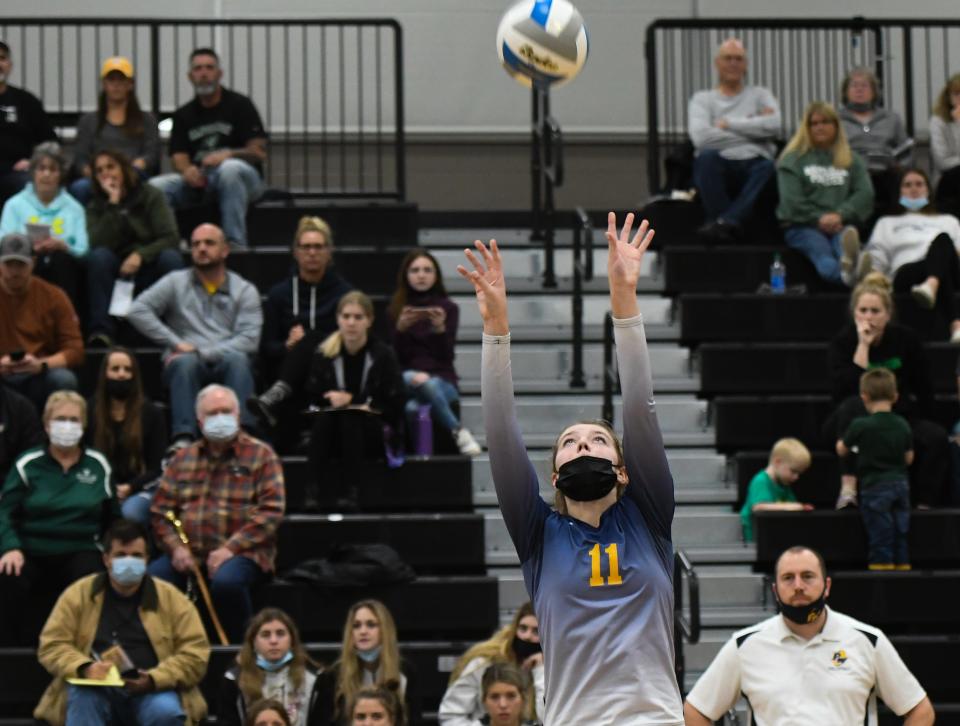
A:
770, 489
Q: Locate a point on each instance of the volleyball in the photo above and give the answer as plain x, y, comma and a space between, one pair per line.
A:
542, 42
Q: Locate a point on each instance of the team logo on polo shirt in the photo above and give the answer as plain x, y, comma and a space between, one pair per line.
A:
839, 658
85, 476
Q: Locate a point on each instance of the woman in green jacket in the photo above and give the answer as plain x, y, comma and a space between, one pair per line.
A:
825, 192
133, 235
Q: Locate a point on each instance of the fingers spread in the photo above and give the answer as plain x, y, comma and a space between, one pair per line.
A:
627, 224
611, 224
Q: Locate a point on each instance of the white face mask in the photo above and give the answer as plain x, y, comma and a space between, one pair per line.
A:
221, 427
65, 434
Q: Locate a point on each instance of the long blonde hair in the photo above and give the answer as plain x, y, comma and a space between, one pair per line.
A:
943, 106
349, 670
801, 142
333, 343
250, 680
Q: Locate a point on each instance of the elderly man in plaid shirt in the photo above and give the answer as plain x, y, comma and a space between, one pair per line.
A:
227, 490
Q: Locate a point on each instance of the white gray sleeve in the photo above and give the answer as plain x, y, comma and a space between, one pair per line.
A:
461, 704
945, 156
717, 690
147, 311
896, 685
703, 133
759, 127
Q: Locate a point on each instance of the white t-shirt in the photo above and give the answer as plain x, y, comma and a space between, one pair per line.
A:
903, 238
833, 679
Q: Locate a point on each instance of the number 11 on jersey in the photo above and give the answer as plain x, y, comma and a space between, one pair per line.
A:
596, 577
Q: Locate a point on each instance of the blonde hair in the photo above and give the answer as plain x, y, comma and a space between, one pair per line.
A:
350, 672
791, 450
313, 224
58, 398
943, 106
333, 343
879, 384
801, 142
876, 283
560, 501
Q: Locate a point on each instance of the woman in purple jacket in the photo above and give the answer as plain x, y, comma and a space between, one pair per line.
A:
424, 326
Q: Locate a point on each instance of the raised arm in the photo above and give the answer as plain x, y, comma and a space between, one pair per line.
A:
651, 484
513, 474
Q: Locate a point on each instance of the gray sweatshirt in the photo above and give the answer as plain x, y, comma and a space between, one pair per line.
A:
178, 309
944, 144
89, 142
875, 140
750, 132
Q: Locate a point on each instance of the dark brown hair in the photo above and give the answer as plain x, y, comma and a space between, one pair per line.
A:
266, 704
402, 292
130, 177
132, 118
931, 207
131, 432
386, 697
250, 680
879, 384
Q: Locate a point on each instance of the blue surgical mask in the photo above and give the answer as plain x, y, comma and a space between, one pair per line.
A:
914, 204
127, 570
273, 665
220, 427
369, 656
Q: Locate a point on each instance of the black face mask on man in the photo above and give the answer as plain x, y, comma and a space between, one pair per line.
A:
801, 614
586, 478
523, 649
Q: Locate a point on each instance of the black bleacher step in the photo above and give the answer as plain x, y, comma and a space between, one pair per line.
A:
899, 601
430, 543
794, 367
819, 485
456, 607
840, 537
733, 268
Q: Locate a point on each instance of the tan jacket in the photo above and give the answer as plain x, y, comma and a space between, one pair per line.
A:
170, 620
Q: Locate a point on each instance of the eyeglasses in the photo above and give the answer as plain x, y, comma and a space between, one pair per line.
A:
313, 248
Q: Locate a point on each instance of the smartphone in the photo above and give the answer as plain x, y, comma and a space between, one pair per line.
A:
17, 356
38, 232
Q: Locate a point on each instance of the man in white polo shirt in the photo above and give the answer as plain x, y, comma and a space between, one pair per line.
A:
809, 664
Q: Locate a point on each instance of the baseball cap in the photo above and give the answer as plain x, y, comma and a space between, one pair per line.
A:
16, 247
117, 63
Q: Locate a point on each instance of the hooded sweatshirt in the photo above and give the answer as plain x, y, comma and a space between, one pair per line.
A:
875, 140
810, 186
64, 214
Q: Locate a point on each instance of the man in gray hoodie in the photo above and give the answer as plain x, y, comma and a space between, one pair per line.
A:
733, 128
209, 319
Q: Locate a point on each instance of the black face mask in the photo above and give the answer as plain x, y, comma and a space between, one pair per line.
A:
859, 107
586, 478
523, 649
119, 389
802, 614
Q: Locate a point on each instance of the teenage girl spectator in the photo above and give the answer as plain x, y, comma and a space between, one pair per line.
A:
267, 712
825, 191
872, 340
60, 233
56, 504
370, 656
133, 235
917, 248
518, 644
424, 325
346, 370
505, 695
129, 430
945, 146
271, 664
118, 123
377, 706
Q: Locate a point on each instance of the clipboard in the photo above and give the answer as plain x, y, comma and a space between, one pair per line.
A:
113, 679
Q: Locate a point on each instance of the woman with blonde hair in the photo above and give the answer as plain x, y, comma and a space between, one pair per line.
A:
517, 643
506, 695
825, 192
369, 657
945, 145
273, 664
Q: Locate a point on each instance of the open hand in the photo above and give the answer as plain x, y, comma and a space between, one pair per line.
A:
489, 285
624, 254
216, 559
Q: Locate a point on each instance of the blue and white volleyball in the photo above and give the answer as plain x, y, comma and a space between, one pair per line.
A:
542, 42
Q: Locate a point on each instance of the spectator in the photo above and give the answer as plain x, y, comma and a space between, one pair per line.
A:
267, 712
825, 192
209, 319
505, 690
19, 428
39, 332
518, 644
772, 663
377, 705
884, 447
945, 146
218, 146
133, 236
104, 618
56, 502
424, 324
345, 370
369, 656
772, 488
871, 340
733, 128
875, 133
52, 219
129, 430
227, 490
23, 125
271, 664
307, 300
917, 248
118, 124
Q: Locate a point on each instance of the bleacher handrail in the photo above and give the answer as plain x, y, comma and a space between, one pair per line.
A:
685, 628
611, 381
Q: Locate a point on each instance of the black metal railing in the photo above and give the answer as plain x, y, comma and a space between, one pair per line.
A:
686, 628
546, 170
582, 272
330, 91
799, 60
611, 381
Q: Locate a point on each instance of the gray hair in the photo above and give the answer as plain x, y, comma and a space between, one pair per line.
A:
48, 150
213, 388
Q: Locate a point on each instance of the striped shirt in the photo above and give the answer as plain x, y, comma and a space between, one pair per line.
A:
235, 500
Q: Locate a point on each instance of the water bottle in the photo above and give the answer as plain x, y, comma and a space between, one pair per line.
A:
424, 431
778, 276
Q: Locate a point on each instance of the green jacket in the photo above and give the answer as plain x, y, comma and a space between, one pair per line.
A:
46, 511
810, 186
142, 222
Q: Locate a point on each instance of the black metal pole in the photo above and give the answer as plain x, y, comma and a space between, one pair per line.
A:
536, 167
577, 379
